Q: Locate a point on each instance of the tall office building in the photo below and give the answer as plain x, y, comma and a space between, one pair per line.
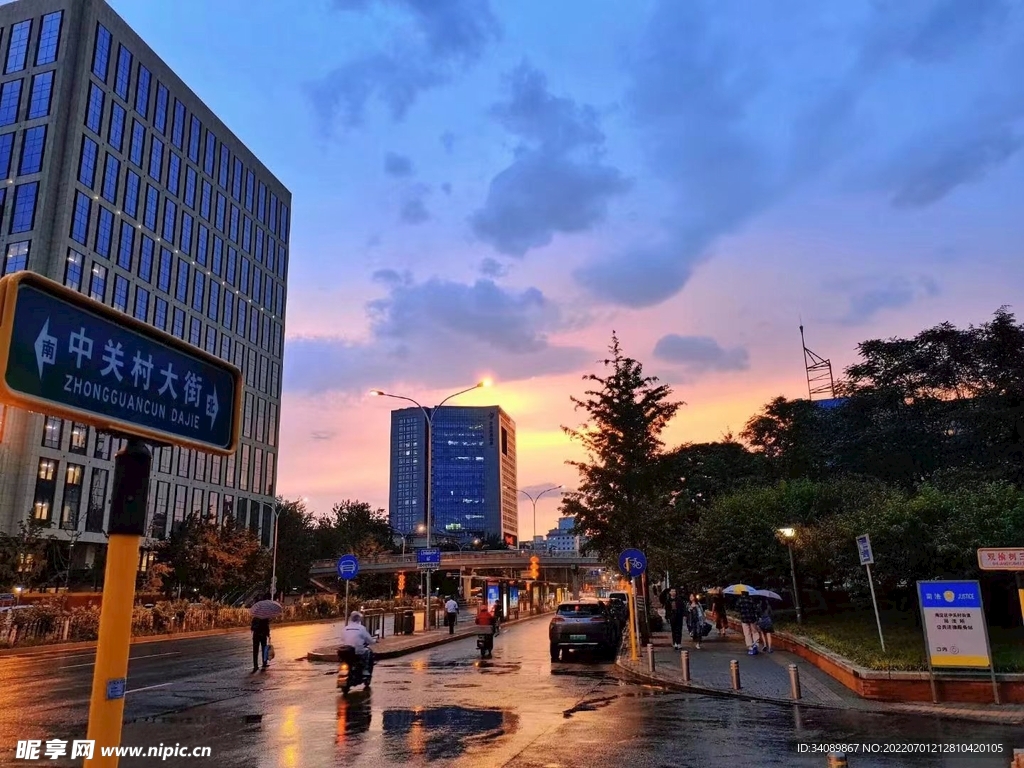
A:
121, 184
474, 468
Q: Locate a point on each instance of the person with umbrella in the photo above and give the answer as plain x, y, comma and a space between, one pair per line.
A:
748, 616
262, 612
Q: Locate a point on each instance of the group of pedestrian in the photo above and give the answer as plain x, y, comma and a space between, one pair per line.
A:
757, 622
689, 614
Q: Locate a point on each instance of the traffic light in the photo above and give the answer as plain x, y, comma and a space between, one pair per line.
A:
534, 567
401, 582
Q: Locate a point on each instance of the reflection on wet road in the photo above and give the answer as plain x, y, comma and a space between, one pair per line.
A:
448, 707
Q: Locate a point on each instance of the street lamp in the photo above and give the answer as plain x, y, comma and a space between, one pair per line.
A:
429, 416
17, 594
788, 535
535, 499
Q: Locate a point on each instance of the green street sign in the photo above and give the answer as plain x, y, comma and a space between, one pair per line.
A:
64, 354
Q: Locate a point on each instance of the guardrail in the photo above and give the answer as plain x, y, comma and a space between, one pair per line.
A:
512, 556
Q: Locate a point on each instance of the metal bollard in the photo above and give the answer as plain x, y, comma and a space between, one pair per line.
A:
685, 659
837, 760
650, 658
734, 670
794, 682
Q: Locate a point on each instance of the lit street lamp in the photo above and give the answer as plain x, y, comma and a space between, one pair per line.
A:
788, 535
429, 416
535, 499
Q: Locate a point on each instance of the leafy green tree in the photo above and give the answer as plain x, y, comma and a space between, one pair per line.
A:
352, 527
622, 499
23, 556
211, 560
295, 544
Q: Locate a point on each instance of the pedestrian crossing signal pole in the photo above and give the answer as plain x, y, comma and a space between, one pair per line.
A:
127, 525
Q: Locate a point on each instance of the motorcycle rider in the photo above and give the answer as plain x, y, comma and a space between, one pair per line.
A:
355, 635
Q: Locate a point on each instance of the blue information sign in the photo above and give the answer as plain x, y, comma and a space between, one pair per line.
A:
348, 567
428, 558
64, 354
115, 688
949, 594
632, 562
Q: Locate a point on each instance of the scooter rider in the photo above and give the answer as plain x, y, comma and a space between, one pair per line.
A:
355, 635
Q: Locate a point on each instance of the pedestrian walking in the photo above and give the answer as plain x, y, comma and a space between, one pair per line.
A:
748, 619
675, 612
695, 619
766, 626
721, 617
260, 643
451, 614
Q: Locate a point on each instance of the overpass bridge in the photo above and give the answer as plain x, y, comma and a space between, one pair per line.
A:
499, 559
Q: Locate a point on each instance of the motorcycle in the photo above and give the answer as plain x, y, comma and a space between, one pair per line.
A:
351, 670
485, 642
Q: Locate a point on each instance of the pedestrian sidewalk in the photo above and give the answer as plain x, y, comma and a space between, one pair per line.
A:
400, 645
765, 677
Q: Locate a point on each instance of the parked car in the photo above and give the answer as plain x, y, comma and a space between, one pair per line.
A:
584, 625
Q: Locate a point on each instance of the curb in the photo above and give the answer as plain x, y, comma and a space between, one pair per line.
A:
874, 707
46, 649
319, 658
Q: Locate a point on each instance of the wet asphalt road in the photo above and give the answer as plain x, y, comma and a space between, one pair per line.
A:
440, 707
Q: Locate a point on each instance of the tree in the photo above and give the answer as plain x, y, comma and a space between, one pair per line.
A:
698, 473
295, 544
23, 556
353, 527
622, 499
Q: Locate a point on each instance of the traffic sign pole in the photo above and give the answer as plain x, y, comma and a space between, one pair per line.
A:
874, 601
1020, 592
127, 524
633, 653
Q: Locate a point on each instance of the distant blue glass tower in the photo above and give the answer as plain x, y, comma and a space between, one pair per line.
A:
474, 463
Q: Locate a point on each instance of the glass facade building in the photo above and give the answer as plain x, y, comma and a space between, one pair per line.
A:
120, 183
474, 472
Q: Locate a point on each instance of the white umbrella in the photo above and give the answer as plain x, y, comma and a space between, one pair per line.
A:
735, 589
766, 593
266, 609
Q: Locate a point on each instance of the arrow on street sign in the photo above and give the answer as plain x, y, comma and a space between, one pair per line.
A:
64, 354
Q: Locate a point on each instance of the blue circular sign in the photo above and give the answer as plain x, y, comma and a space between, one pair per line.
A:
348, 567
632, 562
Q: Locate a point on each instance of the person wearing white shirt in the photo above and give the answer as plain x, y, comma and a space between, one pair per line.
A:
355, 635
451, 614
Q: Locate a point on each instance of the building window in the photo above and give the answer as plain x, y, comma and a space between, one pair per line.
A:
146, 259
179, 323
211, 340
124, 72
249, 184
132, 184
80, 219
126, 246
173, 174
101, 53
94, 112
204, 200
111, 173
178, 129
198, 292
268, 489
179, 503
42, 92
160, 116
233, 225
160, 314
79, 438
164, 277
225, 347
197, 503
49, 38
121, 294
152, 202
190, 187
141, 304
218, 251
72, 504
261, 206
98, 283
181, 290
97, 500
229, 471
32, 147
247, 416
170, 216
243, 468
232, 263
46, 484
104, 232
17, 257
115, 132
271, 423
102, 449
214, 305
87, 162
138, 142
194, 132
210, 153
229, 308
200, 467
222, 170
53, 431
10, 100
186, 233
142, 92
221, 209
273, 213
73, 270
6, 150
257, 471
195, 331
156, 158
18, 47
24, 208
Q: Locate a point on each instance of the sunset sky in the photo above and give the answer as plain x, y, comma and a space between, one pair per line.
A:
489, 189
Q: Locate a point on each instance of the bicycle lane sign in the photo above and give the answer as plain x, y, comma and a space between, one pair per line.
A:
632, 562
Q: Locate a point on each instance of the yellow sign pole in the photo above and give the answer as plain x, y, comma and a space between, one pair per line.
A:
1020, 592
110, 675
633, 651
